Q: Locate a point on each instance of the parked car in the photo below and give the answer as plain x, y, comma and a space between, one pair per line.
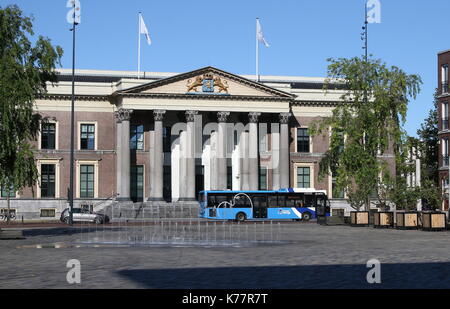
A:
84, 215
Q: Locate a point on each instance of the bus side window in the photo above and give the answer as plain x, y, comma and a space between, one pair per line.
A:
211, 201
259, 201
290, 201
220, 199
241, 202
310, 200
300, 202
281, 200
273, 201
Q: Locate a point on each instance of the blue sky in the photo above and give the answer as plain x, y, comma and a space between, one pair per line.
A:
191, 34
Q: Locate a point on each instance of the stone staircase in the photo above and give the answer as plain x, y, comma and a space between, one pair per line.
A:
130, 212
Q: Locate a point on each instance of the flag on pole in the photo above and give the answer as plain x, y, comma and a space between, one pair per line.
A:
260, 34
143, 30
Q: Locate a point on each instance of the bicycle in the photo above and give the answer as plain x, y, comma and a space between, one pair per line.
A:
4, 217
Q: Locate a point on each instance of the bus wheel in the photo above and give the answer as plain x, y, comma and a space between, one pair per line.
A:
306, 216
241, 217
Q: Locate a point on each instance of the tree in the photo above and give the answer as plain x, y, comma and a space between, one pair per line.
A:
429, 144
25, 69
369, 119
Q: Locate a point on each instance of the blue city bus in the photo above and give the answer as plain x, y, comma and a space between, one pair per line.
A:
286, 204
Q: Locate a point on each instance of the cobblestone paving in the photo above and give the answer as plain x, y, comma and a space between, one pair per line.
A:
316, 257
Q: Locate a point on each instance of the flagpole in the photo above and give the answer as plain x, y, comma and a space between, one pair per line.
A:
139, 46
257, 52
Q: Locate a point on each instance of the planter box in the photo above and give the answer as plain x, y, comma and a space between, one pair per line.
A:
359, 218
337, 218
434, 221
383, 219
407, 220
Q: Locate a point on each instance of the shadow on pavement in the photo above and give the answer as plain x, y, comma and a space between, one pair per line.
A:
400, 276
65, 231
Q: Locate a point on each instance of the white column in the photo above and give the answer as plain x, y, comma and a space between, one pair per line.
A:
119, 158
213, 161
243, 159
284, 151
418, 180
275, 134
123, 154
157, 158
222, 151
253, 151
190, 194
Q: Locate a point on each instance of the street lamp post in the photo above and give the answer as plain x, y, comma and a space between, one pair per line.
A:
72, 124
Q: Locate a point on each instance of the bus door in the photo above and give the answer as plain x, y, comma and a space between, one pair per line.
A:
322, 205
259, 206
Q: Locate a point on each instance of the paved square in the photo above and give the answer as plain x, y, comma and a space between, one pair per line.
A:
315, 257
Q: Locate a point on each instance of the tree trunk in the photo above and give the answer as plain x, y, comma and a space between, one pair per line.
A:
368, 204
8, 201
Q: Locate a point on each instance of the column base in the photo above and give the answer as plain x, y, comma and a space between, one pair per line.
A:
155, 199
187, 199
123, 199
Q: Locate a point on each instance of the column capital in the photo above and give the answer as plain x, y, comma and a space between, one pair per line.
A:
254, 117
159, 115
190, 115
284, 118
223, 116
123, 115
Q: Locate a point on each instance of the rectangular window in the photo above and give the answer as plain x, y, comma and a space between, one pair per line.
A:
137, 137
48, 180
336, 192
229, 176
303, 141
263, 137
445, 152
167, 139
445, 116
304, 177
48, 213
9, 192
48, 136
137, 183
445, 78
87, 181
87, 141
12, 212
167, 183
263, 178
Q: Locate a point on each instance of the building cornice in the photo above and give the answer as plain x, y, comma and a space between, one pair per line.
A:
203, 97
68, 97
317, 103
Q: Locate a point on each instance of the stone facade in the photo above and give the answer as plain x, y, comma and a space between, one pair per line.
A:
444, 132
168, 136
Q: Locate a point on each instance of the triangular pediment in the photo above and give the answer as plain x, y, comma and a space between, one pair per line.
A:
207, 81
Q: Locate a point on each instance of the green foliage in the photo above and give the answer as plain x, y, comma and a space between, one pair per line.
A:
402, 194
429, 144
431, 194
25, 68
370, 119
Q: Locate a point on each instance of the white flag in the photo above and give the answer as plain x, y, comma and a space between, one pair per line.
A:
143, 30
260, 34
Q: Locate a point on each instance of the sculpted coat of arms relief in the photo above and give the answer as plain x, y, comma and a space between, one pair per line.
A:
209, 83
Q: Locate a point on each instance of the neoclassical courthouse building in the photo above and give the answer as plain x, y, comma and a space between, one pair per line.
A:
165, 137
